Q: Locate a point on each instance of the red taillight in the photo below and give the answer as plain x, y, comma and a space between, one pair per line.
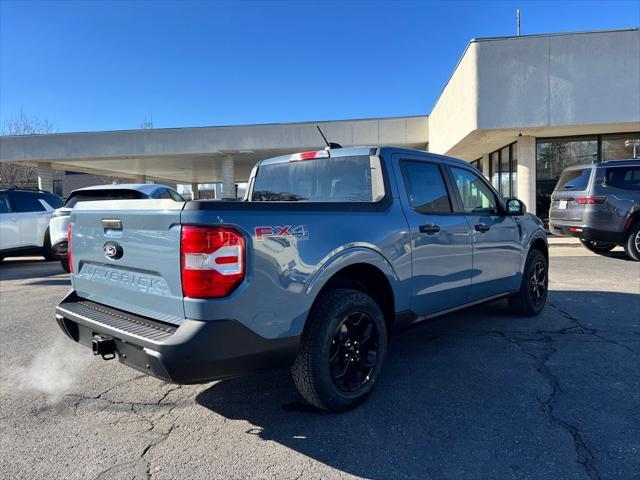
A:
69, 248
591, 200
212, 261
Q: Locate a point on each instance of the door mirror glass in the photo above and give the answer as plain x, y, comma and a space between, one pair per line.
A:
515, 206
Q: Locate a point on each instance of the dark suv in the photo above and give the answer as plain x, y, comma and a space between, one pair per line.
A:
600, 204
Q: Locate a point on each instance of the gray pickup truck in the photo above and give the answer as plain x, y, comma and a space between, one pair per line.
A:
331, 252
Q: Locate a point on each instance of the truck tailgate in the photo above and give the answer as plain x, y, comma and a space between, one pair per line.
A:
126, 254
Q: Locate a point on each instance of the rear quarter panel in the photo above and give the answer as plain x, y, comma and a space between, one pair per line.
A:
285, 273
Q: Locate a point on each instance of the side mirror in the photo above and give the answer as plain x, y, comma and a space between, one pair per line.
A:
515, 206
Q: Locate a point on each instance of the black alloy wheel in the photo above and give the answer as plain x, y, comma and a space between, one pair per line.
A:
538, 283
354, 352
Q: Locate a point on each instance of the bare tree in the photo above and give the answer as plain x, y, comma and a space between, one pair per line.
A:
16, 174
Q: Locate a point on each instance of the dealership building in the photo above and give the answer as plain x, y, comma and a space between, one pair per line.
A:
519, 108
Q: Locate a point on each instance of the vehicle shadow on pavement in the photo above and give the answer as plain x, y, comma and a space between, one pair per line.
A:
618, 254
24, 269
469, 395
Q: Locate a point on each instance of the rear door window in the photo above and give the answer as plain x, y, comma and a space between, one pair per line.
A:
335, 179
425, 187
575, 179
5, 206
627, 178
26, 202
175, 196
52, 200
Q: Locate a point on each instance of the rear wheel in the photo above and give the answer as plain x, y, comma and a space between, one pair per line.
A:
64, 263
598, 247
342, 351
532, 297
632, 243
47, 251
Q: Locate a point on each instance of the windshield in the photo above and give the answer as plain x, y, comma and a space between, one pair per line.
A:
95, 195
577, 179
339, 179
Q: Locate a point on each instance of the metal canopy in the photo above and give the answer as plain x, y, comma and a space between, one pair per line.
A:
195, 155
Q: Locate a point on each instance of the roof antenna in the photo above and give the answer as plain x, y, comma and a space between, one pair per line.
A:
517, 22
330, 145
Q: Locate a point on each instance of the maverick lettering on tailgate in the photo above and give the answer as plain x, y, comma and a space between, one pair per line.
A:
142, 282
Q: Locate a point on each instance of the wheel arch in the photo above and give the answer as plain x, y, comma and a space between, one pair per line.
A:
540, 244
631, 221
364, 270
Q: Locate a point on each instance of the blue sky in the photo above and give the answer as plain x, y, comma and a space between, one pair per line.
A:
108, 65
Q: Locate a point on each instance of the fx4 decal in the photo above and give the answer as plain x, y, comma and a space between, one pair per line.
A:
298, 231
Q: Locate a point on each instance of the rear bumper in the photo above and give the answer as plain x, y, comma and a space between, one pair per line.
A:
585, 233
194, 352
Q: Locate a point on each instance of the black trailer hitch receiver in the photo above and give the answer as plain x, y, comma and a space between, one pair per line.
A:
104, 345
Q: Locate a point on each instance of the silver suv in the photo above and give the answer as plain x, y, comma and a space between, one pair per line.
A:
600, 204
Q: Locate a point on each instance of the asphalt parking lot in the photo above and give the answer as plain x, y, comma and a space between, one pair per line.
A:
475, 394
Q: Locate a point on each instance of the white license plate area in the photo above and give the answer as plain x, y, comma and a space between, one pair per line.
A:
562, 204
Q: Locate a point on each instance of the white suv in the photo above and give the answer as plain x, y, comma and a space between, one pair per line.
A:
124, 191
24, 222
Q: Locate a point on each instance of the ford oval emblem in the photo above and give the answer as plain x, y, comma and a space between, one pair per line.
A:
112, 250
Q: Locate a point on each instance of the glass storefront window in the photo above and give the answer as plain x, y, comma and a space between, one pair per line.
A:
553, 155
478, 164
494, 169
502, 170
621, 146
514, 169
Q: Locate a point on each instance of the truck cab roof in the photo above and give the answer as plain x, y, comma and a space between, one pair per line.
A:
365, 150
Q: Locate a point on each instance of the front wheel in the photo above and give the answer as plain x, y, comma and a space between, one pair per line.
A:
597, 247
632, 243
532, 297
342, 351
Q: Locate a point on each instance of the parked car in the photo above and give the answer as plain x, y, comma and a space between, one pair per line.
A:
24, 222
333, 252
599, 204
125, 191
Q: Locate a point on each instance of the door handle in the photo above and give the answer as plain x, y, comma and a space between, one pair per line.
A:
482, 227
429, 228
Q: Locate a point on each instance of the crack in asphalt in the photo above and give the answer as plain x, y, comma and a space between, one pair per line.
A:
589, 331
143, 463
585, 457
529, 343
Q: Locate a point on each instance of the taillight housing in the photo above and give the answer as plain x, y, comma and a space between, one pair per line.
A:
213, 261
591, 200
69, 248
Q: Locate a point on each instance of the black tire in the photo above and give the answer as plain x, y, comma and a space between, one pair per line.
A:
332, 330
64, 263
532, 297
597, 247
632, 242
47, 251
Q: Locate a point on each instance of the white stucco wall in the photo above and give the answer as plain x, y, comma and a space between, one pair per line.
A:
588, 78
549, 81
455, 114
